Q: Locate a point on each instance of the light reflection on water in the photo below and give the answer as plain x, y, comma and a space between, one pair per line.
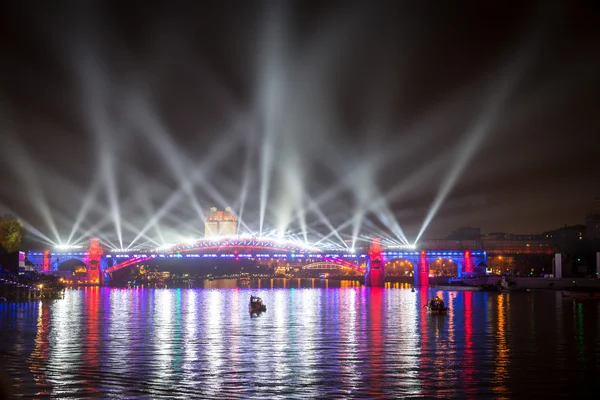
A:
349, 341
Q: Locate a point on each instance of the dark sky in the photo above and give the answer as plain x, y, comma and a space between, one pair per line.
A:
378, 106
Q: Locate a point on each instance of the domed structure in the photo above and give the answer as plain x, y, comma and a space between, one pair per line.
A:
220, 223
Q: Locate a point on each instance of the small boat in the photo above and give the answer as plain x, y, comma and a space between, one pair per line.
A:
257, 305
582, 293
436, 306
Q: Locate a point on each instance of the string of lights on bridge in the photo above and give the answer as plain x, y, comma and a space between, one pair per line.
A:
237, 241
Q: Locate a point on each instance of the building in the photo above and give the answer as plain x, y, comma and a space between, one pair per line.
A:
566, 234
513, 236
220, 223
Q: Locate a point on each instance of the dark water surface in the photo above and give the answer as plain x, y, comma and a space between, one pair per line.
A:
348, 342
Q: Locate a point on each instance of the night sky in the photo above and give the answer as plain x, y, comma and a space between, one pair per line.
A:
103, 107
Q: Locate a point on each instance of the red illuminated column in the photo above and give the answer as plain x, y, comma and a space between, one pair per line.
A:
94, 254
422, 270
375, 267
46, 261
468, 262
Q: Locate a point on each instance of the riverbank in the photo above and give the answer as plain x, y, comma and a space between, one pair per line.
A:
28, 287
537, 283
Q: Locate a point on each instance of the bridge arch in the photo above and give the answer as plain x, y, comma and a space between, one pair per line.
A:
400, 267
330, 265
67, 264
446, 267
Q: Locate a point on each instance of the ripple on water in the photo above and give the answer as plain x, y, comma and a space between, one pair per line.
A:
343, 343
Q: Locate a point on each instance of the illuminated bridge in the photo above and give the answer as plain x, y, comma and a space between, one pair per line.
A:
372, 261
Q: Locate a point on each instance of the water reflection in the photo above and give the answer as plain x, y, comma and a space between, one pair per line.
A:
90, 330
501, 375
350, 341
41, 350
349, 367
213, 341
469, 353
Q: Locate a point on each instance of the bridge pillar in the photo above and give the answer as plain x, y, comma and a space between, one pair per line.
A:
421, 271
93, 262
375, 275
468, 263
558, 265
46, 261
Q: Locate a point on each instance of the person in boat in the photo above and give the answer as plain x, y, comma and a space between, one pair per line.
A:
255, 301
436, 303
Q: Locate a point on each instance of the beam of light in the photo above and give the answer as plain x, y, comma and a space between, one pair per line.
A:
88, 200
146, 119
272, 89
290, 194
386, 217
413, 140
185, 185
370, 230
96, 229
196, 178
108, 173
22, 166
301, 215
215, 195
142, 195
481, 128
245, 183
150, 211
364, 195
416, 136
67, 247
95, 84
325, 220
410, 182
166, 207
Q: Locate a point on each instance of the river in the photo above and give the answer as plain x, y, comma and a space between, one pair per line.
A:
336, 340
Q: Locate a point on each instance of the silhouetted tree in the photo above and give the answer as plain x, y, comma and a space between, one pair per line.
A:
11, 234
